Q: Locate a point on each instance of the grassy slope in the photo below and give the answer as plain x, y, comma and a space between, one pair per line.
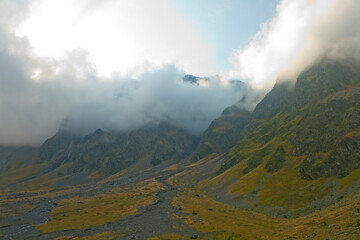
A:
314, 131
99, 236
218, 220
85, 212
17, 164
222, 221
223, 133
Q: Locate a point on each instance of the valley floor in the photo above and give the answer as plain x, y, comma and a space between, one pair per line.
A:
160, 204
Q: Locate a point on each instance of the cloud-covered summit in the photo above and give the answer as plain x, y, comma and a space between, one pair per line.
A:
301, 32
38, 93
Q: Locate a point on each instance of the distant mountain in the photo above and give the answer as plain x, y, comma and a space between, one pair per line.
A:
193, 79
238, 84
297, 151
223, 133
110, 152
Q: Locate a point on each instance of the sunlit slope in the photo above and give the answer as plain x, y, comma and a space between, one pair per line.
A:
301, 145
222, 221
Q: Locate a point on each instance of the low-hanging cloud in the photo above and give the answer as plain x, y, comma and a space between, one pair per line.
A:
302, 32
38, 93
32, 110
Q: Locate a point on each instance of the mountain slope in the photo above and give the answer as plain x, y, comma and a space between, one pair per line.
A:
292, 164
300, 143
223, 133
110, 152
17, 163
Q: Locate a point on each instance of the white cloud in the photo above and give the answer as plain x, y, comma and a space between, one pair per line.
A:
281, 41
118, 34
70, 86
38, 93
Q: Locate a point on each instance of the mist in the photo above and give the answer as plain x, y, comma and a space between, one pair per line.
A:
38, 93
301, 33
32, 109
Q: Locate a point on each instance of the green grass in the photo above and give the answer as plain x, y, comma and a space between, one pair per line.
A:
256, 159
222, 221
277, 160
85, 212
15, 174
98, 236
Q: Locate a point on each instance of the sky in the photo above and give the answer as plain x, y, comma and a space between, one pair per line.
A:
208, 30
119, 64
227, 25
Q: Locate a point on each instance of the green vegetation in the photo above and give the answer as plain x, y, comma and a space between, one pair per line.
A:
299, 151
98, 236
299, 139
156, 161
171, 236
18, 164
277, 160
85, 212
223, 221
310, 121
256, 159
223, 133
109, 152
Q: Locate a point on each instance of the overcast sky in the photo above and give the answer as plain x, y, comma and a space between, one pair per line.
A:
118, 64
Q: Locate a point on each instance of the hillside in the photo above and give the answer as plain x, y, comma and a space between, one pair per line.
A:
301, 145
223, 133
69, 159
288, 170
110, 152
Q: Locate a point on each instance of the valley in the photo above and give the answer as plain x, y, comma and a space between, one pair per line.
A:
161, 206
290, 169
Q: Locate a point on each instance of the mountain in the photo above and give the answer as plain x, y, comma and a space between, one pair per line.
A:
17, 163
297, 155
223, 133
299, 145
237, 84
193, 79
110, 152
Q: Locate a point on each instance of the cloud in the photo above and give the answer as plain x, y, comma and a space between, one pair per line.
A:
38, 93
33, 111
118, 34
158, 95
301, 32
